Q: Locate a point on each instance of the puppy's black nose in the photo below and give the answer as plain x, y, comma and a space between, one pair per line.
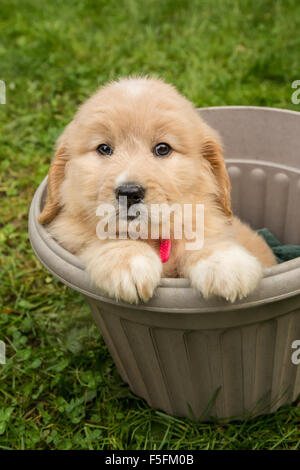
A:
134, 192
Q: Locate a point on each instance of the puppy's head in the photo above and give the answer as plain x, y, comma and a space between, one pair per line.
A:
140, 138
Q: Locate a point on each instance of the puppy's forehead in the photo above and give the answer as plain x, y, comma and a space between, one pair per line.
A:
134, 87
138, 105
140, 88
138, 95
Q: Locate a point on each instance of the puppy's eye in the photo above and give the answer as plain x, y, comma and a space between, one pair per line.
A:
162, 150
104, 149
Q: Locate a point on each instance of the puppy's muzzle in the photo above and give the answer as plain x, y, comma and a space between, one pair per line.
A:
134, 193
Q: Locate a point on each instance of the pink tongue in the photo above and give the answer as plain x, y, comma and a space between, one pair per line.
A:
164, 250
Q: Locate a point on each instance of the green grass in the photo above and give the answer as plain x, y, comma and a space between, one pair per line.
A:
59, 388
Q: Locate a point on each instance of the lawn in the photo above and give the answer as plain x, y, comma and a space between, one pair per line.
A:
59, 388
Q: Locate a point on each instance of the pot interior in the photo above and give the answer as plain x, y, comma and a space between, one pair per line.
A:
262, 152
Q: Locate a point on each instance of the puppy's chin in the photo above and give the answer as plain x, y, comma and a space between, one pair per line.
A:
125, 216
128, 225
136, 222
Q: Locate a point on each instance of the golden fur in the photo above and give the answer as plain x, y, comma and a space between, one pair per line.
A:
132, 115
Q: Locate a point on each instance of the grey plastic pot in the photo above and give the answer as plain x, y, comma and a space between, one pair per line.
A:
197, 358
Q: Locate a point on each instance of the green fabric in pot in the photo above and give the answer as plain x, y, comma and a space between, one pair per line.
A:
282, 252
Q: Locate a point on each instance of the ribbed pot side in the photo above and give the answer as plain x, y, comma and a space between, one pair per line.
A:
221, 372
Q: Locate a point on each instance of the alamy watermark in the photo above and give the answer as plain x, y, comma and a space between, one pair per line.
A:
2, 92
296, 95
2, 352
155, 221
296, 354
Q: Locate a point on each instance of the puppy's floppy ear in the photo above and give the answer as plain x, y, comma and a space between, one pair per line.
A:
55, 178
212, 152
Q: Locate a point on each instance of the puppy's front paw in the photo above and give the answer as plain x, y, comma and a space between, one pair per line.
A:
233, 274
128, 273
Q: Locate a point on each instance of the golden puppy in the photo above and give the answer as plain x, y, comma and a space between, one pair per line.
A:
139, 138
